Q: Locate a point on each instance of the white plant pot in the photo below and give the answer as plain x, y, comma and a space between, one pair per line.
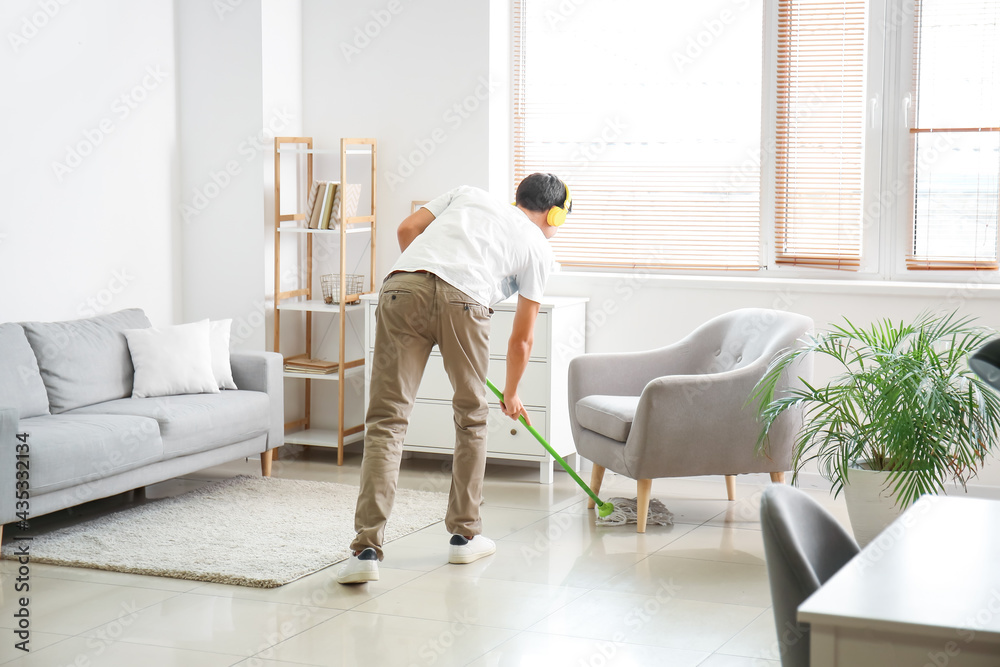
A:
870, 505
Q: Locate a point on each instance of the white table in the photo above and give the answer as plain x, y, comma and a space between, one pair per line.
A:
925, 593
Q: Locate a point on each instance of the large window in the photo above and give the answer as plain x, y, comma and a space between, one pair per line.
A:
955, 134
787, 135
819, 125
654, 119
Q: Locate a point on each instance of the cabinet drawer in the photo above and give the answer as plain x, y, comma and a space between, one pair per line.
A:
432, 425
534, 387
502, 323
510, 437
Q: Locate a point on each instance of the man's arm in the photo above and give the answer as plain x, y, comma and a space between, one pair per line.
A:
413, 227
518, 350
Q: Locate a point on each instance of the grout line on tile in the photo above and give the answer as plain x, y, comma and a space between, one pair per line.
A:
136, 612
64, 638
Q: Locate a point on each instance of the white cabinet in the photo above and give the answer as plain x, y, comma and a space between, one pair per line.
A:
559, 336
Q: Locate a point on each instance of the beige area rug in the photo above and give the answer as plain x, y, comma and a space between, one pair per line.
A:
250, 531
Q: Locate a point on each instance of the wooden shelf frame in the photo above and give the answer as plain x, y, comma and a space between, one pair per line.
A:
303, 296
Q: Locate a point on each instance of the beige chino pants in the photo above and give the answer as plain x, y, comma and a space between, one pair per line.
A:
415, 312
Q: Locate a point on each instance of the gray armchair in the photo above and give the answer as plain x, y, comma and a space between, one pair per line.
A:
804, 546
681, 410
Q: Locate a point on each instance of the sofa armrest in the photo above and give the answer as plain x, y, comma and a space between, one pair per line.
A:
263, 371
8, 459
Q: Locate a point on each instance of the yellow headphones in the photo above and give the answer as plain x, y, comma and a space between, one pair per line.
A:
557, 214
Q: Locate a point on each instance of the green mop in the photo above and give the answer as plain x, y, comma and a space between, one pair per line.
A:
603, 509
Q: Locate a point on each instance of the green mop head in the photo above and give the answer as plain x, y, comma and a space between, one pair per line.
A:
605, 509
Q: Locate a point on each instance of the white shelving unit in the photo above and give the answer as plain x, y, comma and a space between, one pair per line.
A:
293, 228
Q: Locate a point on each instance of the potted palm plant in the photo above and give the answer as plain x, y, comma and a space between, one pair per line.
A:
904, 415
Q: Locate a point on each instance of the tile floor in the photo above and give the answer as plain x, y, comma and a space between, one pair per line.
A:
559, 591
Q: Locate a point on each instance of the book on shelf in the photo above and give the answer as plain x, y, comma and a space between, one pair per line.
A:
351, 194
306, 371
324, 204
317, 210
328, 197
307, 364
311, 210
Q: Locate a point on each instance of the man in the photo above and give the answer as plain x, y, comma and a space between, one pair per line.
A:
461, 254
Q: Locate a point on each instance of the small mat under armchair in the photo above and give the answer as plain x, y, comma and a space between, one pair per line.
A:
682, 410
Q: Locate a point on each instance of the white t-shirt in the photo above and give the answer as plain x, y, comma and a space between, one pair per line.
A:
484, 247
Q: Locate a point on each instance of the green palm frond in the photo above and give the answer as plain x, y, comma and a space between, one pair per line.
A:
904, 400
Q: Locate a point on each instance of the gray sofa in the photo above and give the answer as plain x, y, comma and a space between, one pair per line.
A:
68, 386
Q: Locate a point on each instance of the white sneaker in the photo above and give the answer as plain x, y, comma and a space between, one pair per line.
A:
463, 550
360, 568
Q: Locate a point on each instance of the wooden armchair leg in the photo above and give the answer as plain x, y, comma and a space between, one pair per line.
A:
642, 504
731, 486
778, 477
596, 478
265, 463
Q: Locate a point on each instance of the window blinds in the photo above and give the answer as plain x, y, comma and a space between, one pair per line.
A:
650, 111
955, 134
820, 121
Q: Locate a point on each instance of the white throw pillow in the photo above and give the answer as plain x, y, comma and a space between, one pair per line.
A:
172, 360
219, 333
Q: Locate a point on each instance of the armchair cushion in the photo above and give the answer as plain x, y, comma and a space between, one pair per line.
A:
611, 416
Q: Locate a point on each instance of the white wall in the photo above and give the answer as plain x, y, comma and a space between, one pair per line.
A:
165, 209
89, 164
282, 94
225, 143
394, 70
400, 82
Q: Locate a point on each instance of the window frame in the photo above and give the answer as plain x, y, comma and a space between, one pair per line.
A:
900, 25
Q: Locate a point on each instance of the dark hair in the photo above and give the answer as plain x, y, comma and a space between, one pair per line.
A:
540, 192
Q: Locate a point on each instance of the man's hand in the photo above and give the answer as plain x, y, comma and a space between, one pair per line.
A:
513, 408
518, 351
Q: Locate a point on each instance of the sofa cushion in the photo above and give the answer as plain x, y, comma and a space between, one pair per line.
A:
610, 416
85, 361
67, 450
21, 383
192, 423
172, 360
219, 334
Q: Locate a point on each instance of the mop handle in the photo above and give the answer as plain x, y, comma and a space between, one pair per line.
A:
538, 436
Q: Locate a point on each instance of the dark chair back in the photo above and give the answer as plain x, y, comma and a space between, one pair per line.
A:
804, 546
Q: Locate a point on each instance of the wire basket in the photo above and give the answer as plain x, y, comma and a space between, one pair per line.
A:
331, 286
